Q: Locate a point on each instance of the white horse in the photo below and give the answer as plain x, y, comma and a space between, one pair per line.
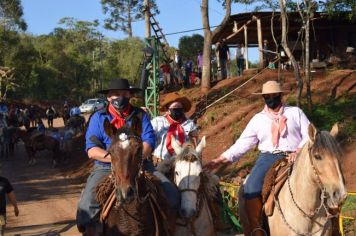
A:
195, 186
313, 192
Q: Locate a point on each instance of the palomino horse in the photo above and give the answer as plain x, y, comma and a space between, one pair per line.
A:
37, 143
313, 192
139, 207
196, 188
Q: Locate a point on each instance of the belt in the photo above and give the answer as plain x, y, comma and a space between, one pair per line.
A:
281, 153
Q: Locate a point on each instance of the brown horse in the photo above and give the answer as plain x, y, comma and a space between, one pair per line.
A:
34, 143
313, 192
140, 208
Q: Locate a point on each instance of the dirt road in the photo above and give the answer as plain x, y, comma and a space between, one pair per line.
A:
47, 199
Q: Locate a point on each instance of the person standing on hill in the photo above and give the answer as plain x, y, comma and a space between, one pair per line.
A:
224, 57
240, 58
50, 113
280, 131
6, 190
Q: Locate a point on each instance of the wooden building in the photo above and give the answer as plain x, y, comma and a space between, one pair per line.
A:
328, 36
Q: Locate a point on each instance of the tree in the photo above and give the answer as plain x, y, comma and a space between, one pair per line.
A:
284, 44
337, 8
11, 15
189, 46
208, 35
124, 12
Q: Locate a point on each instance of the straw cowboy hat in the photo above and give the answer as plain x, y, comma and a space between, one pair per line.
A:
119, 84
271, 87
175, 97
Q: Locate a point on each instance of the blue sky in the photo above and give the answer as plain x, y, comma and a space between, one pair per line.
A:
42, 16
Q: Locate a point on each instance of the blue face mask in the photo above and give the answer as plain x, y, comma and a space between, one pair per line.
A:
120, 103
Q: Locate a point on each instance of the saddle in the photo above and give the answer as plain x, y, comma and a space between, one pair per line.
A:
274, 180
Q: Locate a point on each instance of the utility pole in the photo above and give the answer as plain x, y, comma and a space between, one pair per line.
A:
147, 18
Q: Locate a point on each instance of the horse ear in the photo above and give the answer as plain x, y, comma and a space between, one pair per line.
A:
334, 130
312, 131
201, 145
110, 130
176, 146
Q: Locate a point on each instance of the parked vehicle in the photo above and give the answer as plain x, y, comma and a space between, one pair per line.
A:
92, 105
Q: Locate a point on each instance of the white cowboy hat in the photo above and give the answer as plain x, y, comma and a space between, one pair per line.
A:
271, 87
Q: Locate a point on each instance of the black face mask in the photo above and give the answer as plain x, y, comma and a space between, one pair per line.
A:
120, 103
176, 113
274, 102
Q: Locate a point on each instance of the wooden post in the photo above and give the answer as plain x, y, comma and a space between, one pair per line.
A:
246, 48
147, 18
259, 35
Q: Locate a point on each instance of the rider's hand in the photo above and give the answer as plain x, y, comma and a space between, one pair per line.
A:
291, 157
213, 164
16, 211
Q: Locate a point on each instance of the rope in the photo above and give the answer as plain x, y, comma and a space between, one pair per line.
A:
216, 101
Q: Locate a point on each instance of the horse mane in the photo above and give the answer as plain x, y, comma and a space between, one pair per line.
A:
325, 142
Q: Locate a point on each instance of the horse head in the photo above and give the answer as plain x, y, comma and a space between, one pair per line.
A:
187, 175
126, 160
324, 154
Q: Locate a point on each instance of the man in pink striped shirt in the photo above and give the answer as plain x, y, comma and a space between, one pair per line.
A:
280, 131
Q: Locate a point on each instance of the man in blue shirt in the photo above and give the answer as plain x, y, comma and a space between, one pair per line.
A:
119, 112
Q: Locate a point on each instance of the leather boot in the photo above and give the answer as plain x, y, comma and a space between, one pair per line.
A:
254, 215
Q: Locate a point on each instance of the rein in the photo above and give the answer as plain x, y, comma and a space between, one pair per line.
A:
323, 197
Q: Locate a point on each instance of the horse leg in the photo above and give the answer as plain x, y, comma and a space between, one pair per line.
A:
7, 151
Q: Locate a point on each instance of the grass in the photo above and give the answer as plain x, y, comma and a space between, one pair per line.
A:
349, 210
342, 110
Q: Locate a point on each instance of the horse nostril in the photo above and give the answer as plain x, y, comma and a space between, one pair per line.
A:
336, 194
130, 192
185, 213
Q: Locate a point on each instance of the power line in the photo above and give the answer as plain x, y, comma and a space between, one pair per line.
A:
192, 30
210, 8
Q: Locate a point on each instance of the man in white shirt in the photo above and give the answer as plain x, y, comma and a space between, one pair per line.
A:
173, 124
280, 131
240, 58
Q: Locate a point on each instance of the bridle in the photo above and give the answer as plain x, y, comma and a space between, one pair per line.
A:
135, 189
189, 223
323, 197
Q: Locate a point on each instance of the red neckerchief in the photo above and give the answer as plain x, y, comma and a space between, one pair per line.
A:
173, 127
117, 120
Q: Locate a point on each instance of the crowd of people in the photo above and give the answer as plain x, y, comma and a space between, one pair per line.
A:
179, 73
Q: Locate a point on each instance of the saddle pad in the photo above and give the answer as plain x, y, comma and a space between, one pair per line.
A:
273, 182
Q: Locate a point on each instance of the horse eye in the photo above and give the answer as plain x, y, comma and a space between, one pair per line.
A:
318, 157
177, 173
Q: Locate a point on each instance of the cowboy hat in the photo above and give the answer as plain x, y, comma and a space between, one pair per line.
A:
271, 87
119, 84
175, 97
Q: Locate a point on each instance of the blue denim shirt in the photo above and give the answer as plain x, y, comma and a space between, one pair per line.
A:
96, 128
